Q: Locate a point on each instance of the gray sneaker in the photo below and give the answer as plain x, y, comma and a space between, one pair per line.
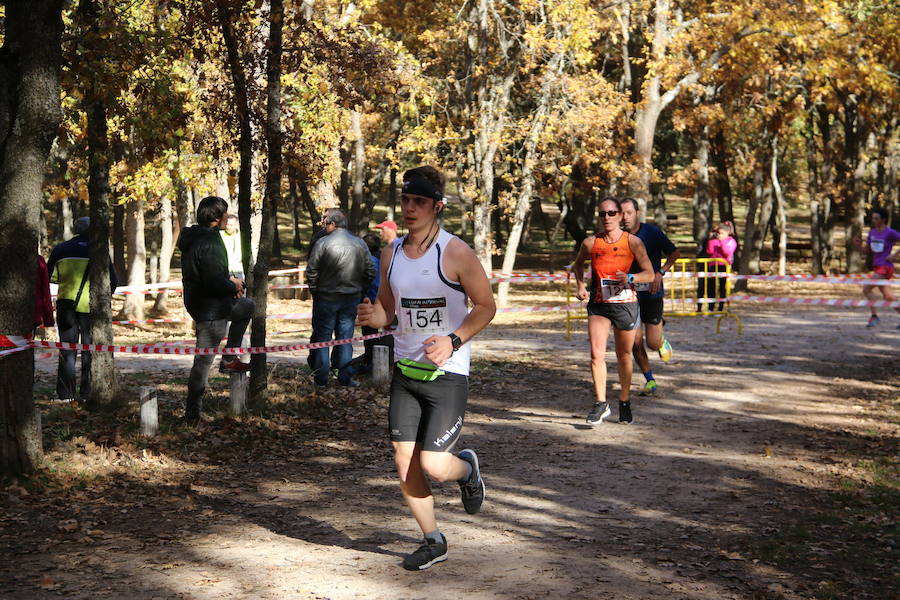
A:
426, 555
599, 411
472, 490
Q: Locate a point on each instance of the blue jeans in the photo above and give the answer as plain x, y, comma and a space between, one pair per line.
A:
332, 318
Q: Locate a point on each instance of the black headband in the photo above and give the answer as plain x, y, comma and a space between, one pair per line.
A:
418, 185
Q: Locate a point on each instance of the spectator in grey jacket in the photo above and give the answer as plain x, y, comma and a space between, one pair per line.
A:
338, 273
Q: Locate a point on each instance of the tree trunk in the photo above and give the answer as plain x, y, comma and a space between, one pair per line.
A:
29, 116
392, 195
323, 196
133, 308
523, 203
222, 189
343, 189
487, 105
759, 211
103, 373
260, 289
815, 204
723, 182
166, 251
235, 65
780, 213
276, 240
295, 207
392, 176
118, 238
702, 212
358, 172
66, 218
182, 202
658, 204
821, 194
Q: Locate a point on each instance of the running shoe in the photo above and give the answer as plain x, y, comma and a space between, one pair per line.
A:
625, 413
427, 554
598, 412
873, 321
649, 388
665, 351
234, 366
472, 490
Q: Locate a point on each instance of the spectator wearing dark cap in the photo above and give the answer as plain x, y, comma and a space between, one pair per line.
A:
68, 267
212, 296
388, 231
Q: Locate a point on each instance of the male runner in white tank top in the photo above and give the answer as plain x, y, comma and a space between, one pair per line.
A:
427, 277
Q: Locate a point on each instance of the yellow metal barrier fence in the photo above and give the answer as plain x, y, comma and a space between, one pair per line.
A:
691, 286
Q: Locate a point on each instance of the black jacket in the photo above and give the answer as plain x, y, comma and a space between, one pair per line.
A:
339, 266
208, 291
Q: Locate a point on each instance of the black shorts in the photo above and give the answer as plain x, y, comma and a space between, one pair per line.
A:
623, 315
651, 310
428, 412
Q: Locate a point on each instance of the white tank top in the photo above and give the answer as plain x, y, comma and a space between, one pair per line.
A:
427, 303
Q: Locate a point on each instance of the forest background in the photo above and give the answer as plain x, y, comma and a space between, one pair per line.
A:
130, 111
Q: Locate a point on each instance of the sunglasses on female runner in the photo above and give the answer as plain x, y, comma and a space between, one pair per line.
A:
607, 213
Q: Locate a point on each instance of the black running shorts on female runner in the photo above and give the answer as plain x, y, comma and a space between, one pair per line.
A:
429, 412
623, 315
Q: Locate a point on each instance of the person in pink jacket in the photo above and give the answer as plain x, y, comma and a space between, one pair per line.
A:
722, 245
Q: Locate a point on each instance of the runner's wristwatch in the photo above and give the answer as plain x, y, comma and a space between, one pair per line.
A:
454, 339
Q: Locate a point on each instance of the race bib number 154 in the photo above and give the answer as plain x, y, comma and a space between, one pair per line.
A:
424, 315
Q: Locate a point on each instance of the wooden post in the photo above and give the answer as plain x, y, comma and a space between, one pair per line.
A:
238, 393
381, 370
149, 412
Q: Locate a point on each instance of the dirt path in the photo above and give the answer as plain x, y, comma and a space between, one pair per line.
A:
697, 499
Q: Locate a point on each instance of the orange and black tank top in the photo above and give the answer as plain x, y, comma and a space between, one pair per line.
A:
606, 259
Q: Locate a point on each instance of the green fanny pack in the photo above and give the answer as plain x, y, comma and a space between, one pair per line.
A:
419, 371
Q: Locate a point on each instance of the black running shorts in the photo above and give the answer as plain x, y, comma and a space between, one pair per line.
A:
651, 310
428, 412
623, 315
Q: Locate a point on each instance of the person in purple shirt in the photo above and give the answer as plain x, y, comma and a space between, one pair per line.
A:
880, 244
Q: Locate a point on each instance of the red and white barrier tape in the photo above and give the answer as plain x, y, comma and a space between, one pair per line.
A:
291, 286
815, 301
534, 276
519, 309
188, 350
12, 340
818, 279
530, 278
286, 317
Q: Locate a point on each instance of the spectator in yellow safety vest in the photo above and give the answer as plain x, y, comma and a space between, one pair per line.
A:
68, 266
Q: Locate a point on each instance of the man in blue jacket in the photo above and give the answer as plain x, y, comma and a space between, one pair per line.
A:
68, 267
212, 296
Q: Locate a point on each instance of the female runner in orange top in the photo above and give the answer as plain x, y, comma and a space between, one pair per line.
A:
613, 301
